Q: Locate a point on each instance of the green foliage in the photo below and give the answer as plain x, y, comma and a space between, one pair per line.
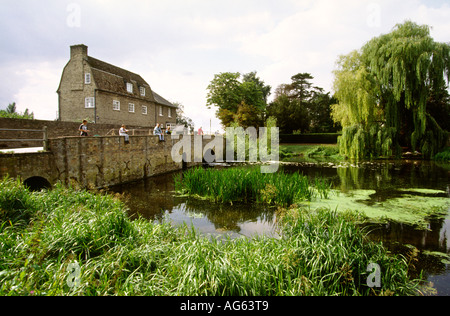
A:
11, 112
384, 89
16, 202
320, 253
248, 116
248, 185
443, 156
290, 114
323, 151
241, 102
301, 107
376, 142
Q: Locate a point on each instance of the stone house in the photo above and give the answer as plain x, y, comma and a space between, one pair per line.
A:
105, 94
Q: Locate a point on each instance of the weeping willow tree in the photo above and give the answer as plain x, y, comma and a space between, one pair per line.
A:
383, 90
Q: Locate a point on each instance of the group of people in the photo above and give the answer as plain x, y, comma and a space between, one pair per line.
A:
83, 129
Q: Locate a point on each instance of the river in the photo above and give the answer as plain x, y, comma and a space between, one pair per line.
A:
400, 192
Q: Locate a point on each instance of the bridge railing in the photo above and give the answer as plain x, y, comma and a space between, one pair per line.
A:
44, 140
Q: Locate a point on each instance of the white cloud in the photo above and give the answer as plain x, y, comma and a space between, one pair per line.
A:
37, 91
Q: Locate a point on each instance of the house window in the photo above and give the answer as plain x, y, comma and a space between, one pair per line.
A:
144, 110
89, 103
131, 107
170, 112
87, 78
161, 111
129, 87
116, 105
142, 89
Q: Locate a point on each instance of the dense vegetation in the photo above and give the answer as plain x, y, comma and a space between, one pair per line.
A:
443, 155
298, 106
44, 235
250, 185
393, 93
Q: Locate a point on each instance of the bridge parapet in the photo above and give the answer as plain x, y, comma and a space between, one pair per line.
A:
94, 162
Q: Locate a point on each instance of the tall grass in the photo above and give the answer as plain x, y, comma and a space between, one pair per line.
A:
249, 185
319, 253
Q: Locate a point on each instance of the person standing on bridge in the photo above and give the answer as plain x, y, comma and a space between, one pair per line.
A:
83, 129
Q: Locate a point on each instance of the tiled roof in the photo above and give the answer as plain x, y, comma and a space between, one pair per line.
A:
160, 100
114, 79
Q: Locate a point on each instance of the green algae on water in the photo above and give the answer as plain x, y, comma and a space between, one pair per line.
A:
409, 206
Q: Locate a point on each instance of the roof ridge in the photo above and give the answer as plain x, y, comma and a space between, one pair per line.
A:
113, 69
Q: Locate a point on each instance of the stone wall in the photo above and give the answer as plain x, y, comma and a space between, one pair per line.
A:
30, 165
106, 161
95, 162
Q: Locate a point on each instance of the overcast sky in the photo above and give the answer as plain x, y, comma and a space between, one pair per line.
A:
178, 46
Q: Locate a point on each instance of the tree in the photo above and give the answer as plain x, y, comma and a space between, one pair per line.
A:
248, 116
11, 109
302, 106
289, 113
225, 92
235, 99
319, 112
181, 118
301, 87
11, 112
384, 90
265, 89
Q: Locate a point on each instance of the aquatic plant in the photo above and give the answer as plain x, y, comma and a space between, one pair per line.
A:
319, 253
249, 185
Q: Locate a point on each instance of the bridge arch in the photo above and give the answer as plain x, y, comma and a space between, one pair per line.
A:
37, 183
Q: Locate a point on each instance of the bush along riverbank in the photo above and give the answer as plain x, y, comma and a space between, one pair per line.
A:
67, 242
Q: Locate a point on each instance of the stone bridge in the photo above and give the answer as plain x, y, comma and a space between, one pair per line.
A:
93, 162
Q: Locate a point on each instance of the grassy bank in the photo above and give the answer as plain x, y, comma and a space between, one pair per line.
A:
250, 185
327, 151
42, 235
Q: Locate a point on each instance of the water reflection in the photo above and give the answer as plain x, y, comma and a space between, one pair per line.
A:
155, 199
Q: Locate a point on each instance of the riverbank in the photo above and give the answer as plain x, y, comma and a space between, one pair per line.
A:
310, 151
67, 242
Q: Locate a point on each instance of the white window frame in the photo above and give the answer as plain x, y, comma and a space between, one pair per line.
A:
131, 108
142, 90
116, 105
87, 78
89, 103
161, 113
170, 112
129, 87
144, 110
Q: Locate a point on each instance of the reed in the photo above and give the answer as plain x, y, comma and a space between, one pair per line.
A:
250, 185
320, 253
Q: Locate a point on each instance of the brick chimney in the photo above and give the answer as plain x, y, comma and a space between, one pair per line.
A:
78, 51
